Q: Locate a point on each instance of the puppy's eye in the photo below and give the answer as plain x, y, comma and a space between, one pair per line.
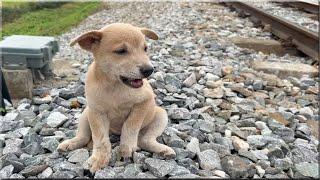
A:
145, 48
121, 51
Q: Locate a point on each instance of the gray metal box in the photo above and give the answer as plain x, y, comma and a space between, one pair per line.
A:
21, 52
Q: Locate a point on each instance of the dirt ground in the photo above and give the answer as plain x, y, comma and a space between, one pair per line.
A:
64, 73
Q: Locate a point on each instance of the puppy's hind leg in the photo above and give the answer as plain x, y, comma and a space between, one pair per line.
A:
148, 135
82, 137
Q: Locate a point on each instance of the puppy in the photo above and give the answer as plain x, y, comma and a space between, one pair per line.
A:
119, 98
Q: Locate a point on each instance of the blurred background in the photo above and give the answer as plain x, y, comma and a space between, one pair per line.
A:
44, 17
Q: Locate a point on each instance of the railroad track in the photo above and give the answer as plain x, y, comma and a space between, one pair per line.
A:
302, 38
305, 6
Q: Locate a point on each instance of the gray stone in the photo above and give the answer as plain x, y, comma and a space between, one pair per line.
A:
50, 144
82, 100
287, 134
66, 93
13, 146
179, 113
173, 140
45, 100
248, 155
206, 126
64, 174
44, 107
6, 125
47, 173
209, 160
275, 153
56, 119
276, 176
32, 143
283, 164
16, 176
12, 159
131, 170
23, 131
308, 169
222, 150
6, 172
304, 152
33, 170
192, 79
304, 128
263, 127
260, 154
193, 145
106, 172
237, 167
138, 157
185, 176
171, 79
11, 116
188, 163
303, 102
179, 170
183, 153
224, 142
67, 166
260, 141
308, 81
146, 175
158, 167
257, 85
78, 156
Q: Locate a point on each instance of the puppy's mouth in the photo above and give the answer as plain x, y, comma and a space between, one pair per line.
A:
134, 83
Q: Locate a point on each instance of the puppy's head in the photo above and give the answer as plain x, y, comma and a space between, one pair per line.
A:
120, 51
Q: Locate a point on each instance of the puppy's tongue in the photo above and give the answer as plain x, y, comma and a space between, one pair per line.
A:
136, 83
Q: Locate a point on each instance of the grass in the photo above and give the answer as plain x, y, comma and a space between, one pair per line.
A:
50, 22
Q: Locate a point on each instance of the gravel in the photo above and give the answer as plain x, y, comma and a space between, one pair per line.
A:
293, 15
159, 168
209, 160
225, 119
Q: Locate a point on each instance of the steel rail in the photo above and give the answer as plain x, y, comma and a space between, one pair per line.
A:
304, 39
305, 6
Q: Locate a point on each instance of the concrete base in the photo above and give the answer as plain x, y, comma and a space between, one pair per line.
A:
283, 70
266, 46
19, 82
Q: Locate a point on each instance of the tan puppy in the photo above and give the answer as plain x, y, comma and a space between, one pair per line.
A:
119, 98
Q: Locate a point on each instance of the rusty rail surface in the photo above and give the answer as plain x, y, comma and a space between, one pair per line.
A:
305, 6
304, 39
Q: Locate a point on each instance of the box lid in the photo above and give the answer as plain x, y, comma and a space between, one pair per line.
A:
25, 44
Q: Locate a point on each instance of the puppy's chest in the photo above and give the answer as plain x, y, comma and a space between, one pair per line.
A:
116, 105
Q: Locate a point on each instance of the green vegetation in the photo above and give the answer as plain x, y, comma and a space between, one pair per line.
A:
12, 10
47, 18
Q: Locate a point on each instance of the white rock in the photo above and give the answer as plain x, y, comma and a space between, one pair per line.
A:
260, 171
11, 116
56, 119
239, 143
47, 173
193, 145
192, 79
220, 173
76, 65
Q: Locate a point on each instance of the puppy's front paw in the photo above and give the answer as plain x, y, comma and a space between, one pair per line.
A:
67, 145
168, 153
127, 151
98, 161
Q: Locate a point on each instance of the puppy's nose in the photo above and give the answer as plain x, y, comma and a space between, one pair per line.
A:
146, 71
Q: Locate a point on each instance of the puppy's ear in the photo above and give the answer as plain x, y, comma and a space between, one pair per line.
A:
87, 39
149, 33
